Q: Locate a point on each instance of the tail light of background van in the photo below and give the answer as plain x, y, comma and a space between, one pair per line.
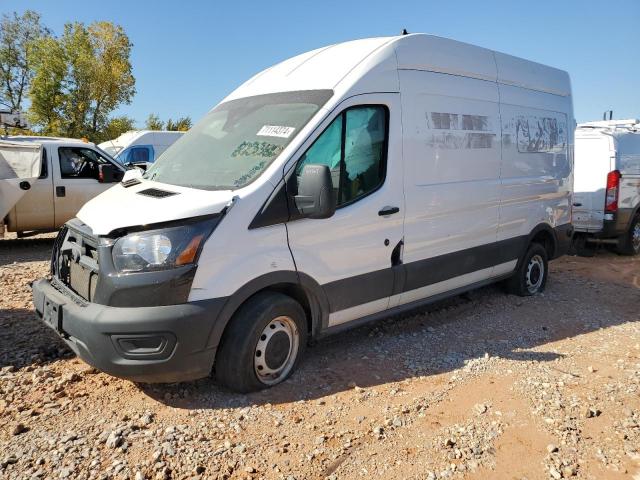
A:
611, 199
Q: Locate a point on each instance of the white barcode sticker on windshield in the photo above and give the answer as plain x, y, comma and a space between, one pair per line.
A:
275, 131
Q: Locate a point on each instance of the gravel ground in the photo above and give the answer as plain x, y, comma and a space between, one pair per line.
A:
484, 385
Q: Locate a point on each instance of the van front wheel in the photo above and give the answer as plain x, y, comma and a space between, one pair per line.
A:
262, 344
531, 276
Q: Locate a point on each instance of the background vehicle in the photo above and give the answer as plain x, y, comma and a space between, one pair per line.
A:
19, 168
72, 172
606, 204
140, 148
339, 186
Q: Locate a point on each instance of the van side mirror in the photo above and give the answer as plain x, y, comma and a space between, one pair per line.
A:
108, 173
316, 198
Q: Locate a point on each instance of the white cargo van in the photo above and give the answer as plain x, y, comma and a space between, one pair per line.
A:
70, 173
340, 186
606, 204
139, 148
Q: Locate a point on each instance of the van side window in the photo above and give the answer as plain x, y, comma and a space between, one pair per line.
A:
354, 148
78, 162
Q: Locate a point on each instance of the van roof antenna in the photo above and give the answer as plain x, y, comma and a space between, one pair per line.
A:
404, 32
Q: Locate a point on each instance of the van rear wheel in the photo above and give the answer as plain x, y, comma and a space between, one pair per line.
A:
530, 278
629, 243
262, 344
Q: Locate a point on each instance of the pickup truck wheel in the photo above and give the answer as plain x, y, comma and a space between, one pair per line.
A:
629, 243
530, 277
262, 344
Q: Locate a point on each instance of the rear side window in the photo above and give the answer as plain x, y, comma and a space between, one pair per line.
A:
628, 147
44, 166
354, 146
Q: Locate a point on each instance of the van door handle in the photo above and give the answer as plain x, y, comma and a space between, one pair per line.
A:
577, 204
61, 191
388, 211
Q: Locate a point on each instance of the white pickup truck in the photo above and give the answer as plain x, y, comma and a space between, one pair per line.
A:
44, 181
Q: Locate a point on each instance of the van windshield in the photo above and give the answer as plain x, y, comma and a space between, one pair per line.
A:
235, 142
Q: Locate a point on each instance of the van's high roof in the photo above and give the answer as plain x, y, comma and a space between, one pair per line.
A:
369, 65
614, 128
129, 137
627, 123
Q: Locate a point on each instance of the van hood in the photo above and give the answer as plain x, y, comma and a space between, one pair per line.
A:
147, 203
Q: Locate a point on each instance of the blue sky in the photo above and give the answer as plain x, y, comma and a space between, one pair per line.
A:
188, 55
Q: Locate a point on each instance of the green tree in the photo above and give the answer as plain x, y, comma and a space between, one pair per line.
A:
47, 93
116, 127
153, 122
80, 78
182, 124
18, 36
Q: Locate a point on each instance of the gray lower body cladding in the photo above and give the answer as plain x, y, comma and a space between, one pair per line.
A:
145, 344
620, 223
612, 229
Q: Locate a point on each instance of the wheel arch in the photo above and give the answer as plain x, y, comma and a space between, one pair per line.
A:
545, 235
299, 286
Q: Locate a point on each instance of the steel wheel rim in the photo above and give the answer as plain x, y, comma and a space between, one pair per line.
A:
635, 237
535, 274
276, 350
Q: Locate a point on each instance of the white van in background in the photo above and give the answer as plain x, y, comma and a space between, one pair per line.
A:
340, 186
606, 203
139, 148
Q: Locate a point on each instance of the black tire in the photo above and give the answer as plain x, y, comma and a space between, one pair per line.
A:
530, 277
629, 243
240, 357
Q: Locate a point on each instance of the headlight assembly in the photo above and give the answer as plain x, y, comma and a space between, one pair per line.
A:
161, 249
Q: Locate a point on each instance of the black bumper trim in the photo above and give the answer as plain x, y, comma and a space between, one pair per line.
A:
93, 332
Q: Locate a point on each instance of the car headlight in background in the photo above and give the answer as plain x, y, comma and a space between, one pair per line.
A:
161, 249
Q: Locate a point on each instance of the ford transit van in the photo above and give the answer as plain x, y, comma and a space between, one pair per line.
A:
606, 203
139, 148
340, 186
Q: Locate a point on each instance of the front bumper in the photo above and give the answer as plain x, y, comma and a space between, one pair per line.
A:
145, 344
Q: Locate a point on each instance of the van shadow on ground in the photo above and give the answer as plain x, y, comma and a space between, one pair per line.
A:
25, 249
25, 341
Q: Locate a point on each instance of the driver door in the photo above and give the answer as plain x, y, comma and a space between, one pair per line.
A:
76, 180
352, 254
